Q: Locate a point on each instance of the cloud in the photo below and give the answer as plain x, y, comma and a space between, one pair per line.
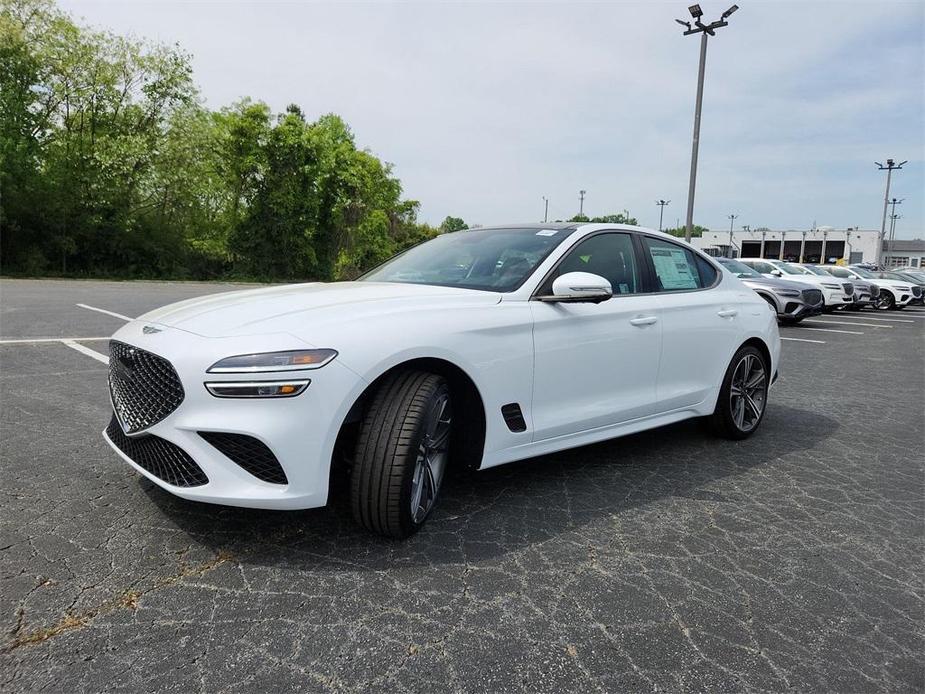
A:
484, 108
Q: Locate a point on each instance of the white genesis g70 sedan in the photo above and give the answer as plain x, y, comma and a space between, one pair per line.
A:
476, 348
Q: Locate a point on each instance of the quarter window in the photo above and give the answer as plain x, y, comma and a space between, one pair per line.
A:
677, 268
610, 256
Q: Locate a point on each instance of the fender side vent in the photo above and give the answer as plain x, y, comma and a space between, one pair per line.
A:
513, 417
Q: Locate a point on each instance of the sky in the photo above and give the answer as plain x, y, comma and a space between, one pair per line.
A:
484, 108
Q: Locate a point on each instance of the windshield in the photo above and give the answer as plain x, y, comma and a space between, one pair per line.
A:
839, 272
497, 260
737, 268
892, 276
861, 272
792, 269
817, 271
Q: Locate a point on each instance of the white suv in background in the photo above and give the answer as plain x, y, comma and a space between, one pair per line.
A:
835, 294
894, 294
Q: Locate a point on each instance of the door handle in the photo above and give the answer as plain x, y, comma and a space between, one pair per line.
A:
727, 313
643, 320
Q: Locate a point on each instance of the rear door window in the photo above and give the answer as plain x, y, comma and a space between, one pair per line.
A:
677, 268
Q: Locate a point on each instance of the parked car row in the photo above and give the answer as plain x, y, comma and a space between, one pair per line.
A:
797, 290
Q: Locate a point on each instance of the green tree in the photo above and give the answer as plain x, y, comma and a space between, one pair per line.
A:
605, 219
682, 231
452, 224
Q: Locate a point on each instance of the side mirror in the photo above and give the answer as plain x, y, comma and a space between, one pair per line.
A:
777, 273
580, 286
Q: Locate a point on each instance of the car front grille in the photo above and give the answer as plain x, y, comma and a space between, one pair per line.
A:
163, 459
249, 453
145, 388
874, 291
848, 287
916, 292
812, 296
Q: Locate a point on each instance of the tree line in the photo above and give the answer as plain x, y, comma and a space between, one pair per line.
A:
110, 165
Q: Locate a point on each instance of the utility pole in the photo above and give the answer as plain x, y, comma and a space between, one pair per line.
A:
705, 31
890, 165
546, 210
661, 211
803, 247
732, 219
581, 202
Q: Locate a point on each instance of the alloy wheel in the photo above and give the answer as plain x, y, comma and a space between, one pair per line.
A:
432, 456
748, 392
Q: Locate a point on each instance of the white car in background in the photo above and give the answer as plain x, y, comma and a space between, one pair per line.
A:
894, 294
835, 294
865, 292
476, 348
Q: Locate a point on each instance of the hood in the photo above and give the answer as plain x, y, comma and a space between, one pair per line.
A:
289, 307
774, 283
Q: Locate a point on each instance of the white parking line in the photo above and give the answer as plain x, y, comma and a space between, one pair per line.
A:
865, 317
848, 322
108, 313
797, 339
40, 340
832, 330
86, 350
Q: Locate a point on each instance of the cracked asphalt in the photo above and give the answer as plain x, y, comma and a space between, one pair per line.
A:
665, 561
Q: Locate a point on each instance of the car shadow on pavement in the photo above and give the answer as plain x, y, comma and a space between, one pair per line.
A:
483, 515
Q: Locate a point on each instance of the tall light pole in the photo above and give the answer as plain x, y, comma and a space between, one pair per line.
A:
890, 165
661, 211
893, 217
705, 30
546, 210
732, 219
581, 202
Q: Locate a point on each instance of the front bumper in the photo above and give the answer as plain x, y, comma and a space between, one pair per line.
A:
299, 431
836, 297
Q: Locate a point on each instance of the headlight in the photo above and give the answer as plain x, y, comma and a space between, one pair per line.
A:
831, 286
293, 360
785, 292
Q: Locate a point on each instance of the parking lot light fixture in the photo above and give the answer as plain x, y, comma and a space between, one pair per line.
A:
661, 211
890, 166
732, 219
705, 31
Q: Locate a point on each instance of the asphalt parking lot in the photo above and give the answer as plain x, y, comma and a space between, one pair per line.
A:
667, 560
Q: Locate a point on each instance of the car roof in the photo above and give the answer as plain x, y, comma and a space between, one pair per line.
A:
558, 226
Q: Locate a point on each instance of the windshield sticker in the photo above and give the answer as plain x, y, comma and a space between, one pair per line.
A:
547, 232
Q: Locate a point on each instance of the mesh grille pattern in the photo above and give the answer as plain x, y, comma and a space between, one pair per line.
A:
145, 388
249, 453
163, 459
848, 287
916, 292
812, 296
874, 291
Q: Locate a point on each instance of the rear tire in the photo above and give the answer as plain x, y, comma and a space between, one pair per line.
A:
743, 396
402, 453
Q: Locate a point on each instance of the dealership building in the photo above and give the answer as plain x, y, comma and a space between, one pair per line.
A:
821, 245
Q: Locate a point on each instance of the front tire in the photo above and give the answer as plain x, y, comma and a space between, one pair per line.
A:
743, 396
402, 453
885, 301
